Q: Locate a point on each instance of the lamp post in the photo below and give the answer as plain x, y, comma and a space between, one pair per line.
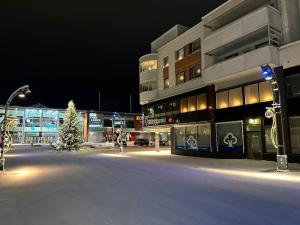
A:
21, 92
116, 116
278, 134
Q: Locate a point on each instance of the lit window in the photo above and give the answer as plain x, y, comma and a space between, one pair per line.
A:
192, 103
166, 83
201, 102
152, 65
184, 105
265, 92
251, 94
195, 72
196, 45
166, 62
144, 66
179, 54
222, 100
235, 97
180, 78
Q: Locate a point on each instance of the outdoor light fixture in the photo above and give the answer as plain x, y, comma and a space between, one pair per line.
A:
21, 92
267, 72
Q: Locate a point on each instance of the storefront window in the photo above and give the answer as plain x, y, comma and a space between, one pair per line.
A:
230, 137
192, 103
222, 100
204, 137
295, 134
265, 92
184, 105
251, 94
235, 97
191, 138
180, 138
201, 102
268, 141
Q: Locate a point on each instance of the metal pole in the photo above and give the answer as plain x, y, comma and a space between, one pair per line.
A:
99, 100
130, 103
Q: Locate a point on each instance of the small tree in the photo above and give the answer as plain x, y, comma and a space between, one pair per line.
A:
69, 133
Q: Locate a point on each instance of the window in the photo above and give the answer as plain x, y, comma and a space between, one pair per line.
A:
166, 62
191, 138
235, 97
180, 138
180, 78
293, 86
222, 100
265, 91
295, 134
166, 83
179, 54
251, 94
152, 65
201, 102
204, 137
192, 103
196, 45
148, 65
184, 105
195, 72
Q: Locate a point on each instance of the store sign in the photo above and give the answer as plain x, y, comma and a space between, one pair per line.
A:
155, 122
269, 113
230, 140
95, 122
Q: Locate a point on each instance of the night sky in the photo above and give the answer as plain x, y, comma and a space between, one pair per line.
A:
69, 49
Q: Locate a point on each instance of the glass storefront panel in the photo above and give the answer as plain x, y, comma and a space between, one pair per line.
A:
192, 103
222, 100
191, 138
295, 134
230, 137
201, 102
265, 92
235, 97
184, 105
180, 138
204, 137
251, 94
268, 141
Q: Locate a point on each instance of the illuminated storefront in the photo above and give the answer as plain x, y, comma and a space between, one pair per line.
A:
41, 125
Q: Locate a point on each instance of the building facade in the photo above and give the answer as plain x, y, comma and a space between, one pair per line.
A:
204, 87
38, 124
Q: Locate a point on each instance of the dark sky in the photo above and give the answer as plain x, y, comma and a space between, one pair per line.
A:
70, 49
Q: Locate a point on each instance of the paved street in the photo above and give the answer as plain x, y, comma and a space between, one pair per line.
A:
105, 187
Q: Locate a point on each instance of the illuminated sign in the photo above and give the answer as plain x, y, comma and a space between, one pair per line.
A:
95, 122
155, 122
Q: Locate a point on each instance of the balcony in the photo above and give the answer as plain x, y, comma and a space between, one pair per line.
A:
241, 28
148, 96
149, 75
242, 65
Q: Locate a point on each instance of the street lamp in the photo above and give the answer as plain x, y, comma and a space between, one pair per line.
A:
116, 116
276, 112
21, 92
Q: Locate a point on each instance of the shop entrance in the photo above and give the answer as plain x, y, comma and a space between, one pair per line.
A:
254, 139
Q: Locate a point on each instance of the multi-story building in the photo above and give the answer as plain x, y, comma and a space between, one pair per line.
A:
39, 124
203, 85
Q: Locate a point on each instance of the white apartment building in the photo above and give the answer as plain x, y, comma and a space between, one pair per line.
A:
203, 85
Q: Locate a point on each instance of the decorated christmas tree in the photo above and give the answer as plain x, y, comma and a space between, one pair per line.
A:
69, 133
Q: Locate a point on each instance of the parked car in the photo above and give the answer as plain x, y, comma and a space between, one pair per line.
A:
141, 142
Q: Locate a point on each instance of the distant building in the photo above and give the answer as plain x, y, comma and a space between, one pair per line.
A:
201, 87
39, 124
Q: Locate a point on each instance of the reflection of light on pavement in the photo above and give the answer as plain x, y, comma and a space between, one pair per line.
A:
258, 175
116, 155
153, 153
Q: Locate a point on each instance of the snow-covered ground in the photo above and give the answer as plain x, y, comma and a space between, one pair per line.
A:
102, 187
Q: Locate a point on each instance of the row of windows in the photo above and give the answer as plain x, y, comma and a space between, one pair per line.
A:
254, 93
183, 105
148, 86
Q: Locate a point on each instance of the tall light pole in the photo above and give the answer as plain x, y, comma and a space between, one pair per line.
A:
277, 112
20, 92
